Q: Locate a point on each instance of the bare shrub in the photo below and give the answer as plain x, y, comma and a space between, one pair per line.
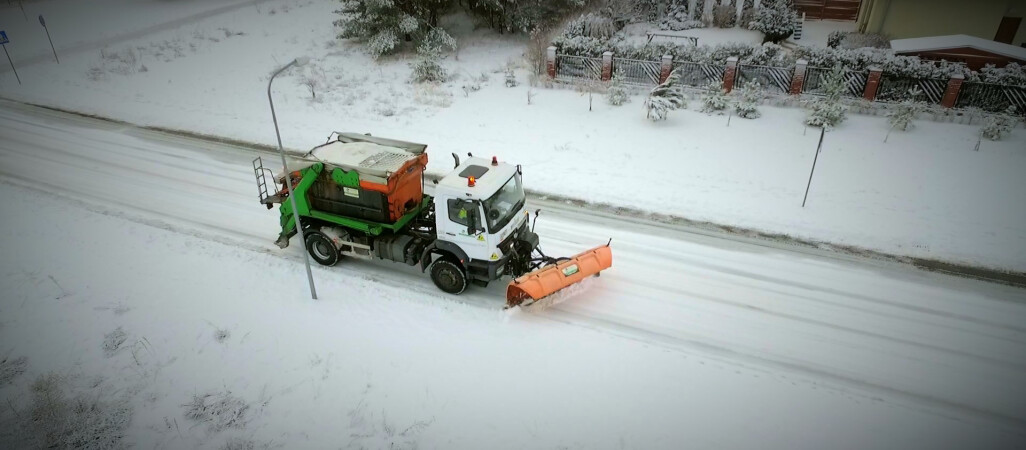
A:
219, 411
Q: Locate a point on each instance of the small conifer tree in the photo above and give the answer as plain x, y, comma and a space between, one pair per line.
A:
665, 97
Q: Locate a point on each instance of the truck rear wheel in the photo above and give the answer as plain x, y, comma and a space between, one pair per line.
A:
321, 249
448, 276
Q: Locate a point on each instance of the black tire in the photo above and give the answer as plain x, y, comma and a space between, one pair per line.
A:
321, 248
449, 276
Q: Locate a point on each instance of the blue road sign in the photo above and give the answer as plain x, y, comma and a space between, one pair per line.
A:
3, 37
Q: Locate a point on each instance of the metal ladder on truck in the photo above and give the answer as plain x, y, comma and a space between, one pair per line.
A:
261, 173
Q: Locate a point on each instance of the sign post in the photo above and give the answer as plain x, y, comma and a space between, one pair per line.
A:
3, 43
43, 23
814, 159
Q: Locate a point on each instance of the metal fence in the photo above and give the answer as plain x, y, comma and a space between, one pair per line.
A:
578, 68
986, 96
634, 71
992, 97
695, 74
770, 78
855, 82
896, 89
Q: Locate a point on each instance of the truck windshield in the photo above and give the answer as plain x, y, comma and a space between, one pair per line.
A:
504, 204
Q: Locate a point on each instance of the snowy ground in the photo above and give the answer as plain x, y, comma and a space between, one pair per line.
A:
924, 193
140, 269
706, 36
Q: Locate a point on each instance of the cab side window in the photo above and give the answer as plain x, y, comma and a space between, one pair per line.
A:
458, 211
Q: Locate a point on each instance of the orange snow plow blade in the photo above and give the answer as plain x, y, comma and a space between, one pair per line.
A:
547, 280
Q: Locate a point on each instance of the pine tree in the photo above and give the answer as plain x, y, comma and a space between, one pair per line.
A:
747, 105
829, 111
902, 117
428, 67
775, 19
617, 93
383, 25
715, 98
665, 97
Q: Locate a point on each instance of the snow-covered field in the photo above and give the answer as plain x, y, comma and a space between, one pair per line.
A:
139, 268
924, 193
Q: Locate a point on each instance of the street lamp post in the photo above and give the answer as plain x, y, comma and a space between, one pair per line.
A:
288, 176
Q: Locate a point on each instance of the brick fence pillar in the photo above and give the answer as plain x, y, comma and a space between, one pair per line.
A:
550, 62
665, 68
951, 93
730, 73
872, 83
607, 66
798, 79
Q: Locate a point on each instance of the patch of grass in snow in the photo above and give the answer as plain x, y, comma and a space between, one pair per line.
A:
385, 107
128, 60
368, 433
60, 415
220, 410
116, 308
221, 335
112, 341
11, 368
432, 95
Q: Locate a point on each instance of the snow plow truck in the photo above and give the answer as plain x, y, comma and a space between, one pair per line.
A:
362, 196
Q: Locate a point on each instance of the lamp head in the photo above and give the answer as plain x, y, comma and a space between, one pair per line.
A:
300, 61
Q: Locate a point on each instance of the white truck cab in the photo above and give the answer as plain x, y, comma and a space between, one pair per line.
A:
479, 207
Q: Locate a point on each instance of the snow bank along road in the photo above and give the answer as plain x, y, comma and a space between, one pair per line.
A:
921, 346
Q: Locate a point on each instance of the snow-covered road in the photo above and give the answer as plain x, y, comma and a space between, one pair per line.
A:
923, 350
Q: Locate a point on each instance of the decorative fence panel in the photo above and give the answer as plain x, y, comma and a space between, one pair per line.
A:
896, 89
992, 97
771, 78
855, 81
578, 68
695, 74
634, 71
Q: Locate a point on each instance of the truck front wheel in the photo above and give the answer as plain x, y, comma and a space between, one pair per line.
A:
321, 249
448, 276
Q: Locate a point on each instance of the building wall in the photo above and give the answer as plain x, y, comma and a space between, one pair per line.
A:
1018, 9
918, 18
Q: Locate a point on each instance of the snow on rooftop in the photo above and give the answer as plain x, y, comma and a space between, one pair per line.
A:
954, 41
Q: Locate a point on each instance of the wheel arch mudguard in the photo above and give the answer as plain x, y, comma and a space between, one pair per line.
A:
442, 248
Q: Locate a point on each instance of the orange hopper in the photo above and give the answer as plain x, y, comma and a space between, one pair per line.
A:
549, 279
